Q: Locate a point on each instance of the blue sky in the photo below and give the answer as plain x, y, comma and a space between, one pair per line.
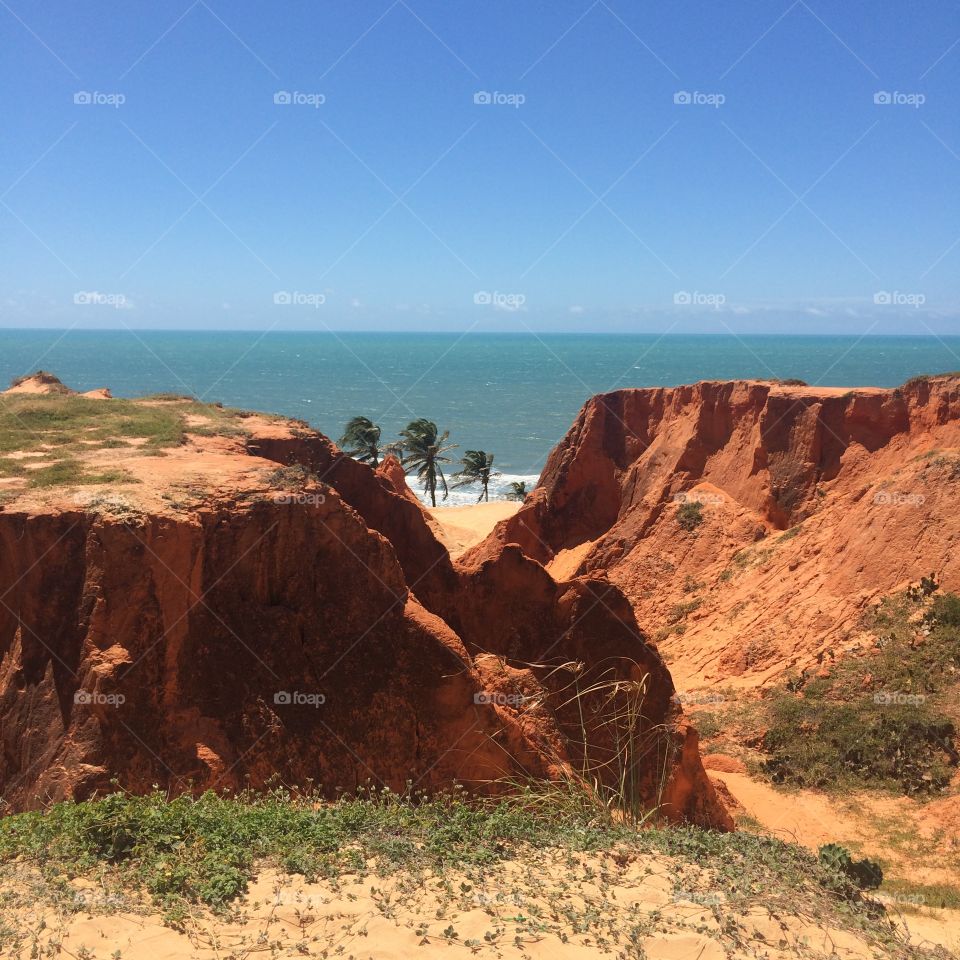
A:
781, 197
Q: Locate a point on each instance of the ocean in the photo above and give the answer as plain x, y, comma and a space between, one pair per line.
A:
513, 395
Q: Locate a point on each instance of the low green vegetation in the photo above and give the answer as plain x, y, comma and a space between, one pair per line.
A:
294, 477
690, 515
73, 472
206, 849
52, 433
31, 423
526, 861
884, 718
865, 873
937, 895
747, 559
681, 611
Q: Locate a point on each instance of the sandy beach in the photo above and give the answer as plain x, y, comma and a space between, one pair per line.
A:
462, 527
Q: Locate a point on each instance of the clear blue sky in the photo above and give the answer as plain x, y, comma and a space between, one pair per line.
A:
597, 203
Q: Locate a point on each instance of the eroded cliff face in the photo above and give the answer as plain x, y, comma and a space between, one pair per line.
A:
814, 502
272, 640
220, 623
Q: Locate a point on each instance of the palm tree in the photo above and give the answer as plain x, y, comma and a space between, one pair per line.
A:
362, 436
424, 450
477, 468
518, 490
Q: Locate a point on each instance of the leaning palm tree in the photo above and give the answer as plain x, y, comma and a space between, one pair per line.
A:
477, 468
518, 490
361, 439
424, 450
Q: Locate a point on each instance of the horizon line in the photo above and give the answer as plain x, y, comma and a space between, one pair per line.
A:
463, 333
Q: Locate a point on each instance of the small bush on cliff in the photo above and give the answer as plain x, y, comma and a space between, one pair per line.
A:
690, 515
882, 718
290, 478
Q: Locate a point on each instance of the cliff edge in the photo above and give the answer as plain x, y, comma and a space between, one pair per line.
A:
751, 523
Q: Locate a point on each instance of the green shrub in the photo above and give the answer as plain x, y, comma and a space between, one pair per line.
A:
945, 610
881, 719
680, 611
690, 515
866, 874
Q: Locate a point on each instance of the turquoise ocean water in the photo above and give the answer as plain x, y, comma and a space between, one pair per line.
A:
512, 394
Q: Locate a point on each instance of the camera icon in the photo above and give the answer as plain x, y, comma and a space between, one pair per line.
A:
682, 299
282, 97
82, 696
83, 97
482, 298
682, 96
483, 697
282, 697
282, 298
882, 298
482, 96
882, 97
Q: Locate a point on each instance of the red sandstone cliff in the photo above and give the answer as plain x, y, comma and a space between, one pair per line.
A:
215, 624
814, 503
